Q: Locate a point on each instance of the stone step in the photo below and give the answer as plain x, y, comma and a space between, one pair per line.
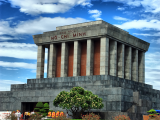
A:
87, 78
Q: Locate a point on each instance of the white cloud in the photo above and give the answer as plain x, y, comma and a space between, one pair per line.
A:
121, 8
5, 38
10, 18
17, 45
155, 48
36, 26
33, 71
156, 41
6, 84
148, 5
120, 18
150, 34
21, 65
2, 1
35, 7
5, 28
128, 2
150, 16
19, 50
152, 69
131, 12
10, 69
86, 4
18, 65
151, 5
140, 24
43, 24
95, 14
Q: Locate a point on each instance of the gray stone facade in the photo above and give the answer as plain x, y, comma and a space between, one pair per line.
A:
118, 94
121, 83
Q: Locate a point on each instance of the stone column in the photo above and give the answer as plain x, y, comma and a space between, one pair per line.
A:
120, 59
113, 58
64, 60
40, 61
141, 66
52, 61
48, 64
128, 62
76, 61
90, 53
104, 48
135, 65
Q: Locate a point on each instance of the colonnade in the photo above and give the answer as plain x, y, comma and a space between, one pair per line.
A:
115, 59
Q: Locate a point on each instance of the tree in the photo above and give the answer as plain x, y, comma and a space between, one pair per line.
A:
46, 108
39, 108
76, 98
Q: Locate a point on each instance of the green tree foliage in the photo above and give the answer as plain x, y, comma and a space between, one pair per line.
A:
46, 109
40, 108
78, 98
152, 112
39, 105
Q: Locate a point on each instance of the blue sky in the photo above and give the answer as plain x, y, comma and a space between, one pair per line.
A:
20, 19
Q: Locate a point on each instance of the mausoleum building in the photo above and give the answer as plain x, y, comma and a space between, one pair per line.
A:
93, 48
97, 56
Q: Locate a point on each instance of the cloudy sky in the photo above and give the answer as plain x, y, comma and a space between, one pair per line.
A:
20, 19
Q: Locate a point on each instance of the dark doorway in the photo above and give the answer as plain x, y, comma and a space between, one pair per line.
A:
29, 106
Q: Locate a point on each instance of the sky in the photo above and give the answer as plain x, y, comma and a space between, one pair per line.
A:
20, 19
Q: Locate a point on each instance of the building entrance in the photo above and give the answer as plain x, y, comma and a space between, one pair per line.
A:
29, 106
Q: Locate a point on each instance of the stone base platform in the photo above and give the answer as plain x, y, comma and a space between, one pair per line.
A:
120, 96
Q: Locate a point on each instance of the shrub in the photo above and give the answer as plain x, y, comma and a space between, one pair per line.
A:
46, 109
91, 116
36, 109
35, 116
11, 116
39, 105
39, 108
46, 105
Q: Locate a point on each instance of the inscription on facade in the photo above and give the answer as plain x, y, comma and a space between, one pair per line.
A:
68, 34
